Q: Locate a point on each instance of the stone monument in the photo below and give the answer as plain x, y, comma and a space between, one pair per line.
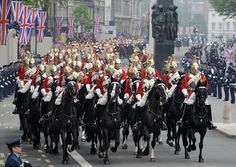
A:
164, 19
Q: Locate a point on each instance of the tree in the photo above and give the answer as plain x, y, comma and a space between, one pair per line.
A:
199, 21
44, 4
82, 16
225, 8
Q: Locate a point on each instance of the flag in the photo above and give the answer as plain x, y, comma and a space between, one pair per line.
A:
71, 20
34, 13
5, 6
25, 26
59, 20
41, 27
17, 11
96, 26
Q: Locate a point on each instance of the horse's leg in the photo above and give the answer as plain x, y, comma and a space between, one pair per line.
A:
106, 146
177, 137
117, 140
125, 132
101, 144
45, 132
55, 149
93, 149
147, 139
185, 143
171, 133
202, 135
64, 147
153, 143
74, 141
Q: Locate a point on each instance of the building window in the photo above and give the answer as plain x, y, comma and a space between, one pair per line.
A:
118, 7
227, 25
213, 25
234, 26
220, 26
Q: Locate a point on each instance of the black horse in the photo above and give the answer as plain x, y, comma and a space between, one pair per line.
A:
173, 114
68, 121
23, 103
111, 120
151, 116
196, 119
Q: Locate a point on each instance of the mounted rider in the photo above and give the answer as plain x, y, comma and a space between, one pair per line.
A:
188, 86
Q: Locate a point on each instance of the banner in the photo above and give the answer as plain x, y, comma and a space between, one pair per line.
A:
71, 20
34, 14
59, 20
96, 25
5, 6
25, 26
17, 11
42, 26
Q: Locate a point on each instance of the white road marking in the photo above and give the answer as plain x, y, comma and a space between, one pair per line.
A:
43, 155
47, 160
79, 159
1, 162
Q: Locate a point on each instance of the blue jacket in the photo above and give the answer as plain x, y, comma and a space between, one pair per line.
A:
13, 161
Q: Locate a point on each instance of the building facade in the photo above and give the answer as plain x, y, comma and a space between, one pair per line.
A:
219, 27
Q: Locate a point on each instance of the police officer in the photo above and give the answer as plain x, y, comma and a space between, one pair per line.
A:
219, 83
14, 159
232, 83
226, 86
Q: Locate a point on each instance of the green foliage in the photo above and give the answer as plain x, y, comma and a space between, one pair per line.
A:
82, 16
44, 4
225, 7
199, 21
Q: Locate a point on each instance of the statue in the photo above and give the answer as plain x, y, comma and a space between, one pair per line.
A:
171, 23
160, 24
154, 7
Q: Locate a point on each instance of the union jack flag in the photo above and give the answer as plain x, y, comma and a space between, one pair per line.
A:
25, 26
34, 14
59, 20
5, 6
96, 26
71, 20
41, 27
17, 10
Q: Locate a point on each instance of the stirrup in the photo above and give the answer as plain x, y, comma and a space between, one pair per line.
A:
179, 122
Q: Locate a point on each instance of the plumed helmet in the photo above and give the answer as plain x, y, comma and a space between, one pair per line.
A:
26, 60
32, 61
118, 61
41, 67
68, 69
195, 66
53, 68
79, 64
151, 71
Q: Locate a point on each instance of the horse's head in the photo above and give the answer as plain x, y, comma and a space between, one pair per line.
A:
71, 89
159, 92
114, 91
201, 95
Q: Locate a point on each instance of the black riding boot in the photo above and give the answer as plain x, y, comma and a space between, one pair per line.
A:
180, 121
211, 126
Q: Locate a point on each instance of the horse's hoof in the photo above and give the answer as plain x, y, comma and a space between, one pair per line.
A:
70, 149
139, 155
113, 149
170, 143
160, 142
83, 139
177, 152
106, 161
56, 153
124, 146
193, 148
93, 151
189, 149
65, 162
146, 152
187, 156
201, 160
100, 155
152, 159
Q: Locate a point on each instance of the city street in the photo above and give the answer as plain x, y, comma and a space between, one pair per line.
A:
219, 150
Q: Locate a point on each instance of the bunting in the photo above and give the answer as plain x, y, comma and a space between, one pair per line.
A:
5, 6
59, 20
42, 26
